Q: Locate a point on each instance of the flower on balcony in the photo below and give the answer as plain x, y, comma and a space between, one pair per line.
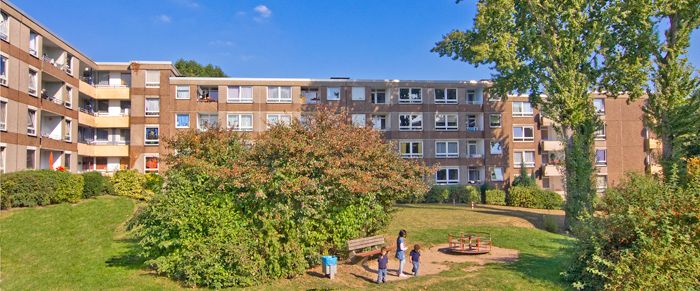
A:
61, 169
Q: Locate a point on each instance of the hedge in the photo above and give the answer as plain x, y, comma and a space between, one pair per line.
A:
452, 193
495, 197
40, 187
533, 197
130, 183
95, 184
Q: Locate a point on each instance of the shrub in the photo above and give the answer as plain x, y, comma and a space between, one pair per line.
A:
521, 196
549, 223
153, 184
495, 197
472, 194
129, 183
40, 187
524, 179
646, 237
95, 184
549, 199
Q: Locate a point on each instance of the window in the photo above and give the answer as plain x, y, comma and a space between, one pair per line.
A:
601, 183
152, 79
69, 97
239, 94
473, 175
208, 94
279, 94
124, 107
497, 174
446, 149
523, 133
411, 149
102, 135
410, 121
521, 109
152, 106
601, 157
4, 26
31, 122
600, 133
279, 119
473, 150
207, 120
31, 158
2, 159
152, 137
69, 130
3, 70
182, 92
310, 95
358, 93
359, 120
33, 40
494, 120
473, 97
410, 95
446, 96
445, 121
333, 94
378, 96
66, 161
526, 157
182, 120
447, 176
379, 122
239, 122
33, 82
599, 105
151, 164
496, 147
3, 115
473, 123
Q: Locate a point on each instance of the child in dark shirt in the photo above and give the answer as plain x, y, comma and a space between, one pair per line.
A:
382, 263
415, 259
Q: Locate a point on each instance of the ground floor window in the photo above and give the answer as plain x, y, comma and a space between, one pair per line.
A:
151, 164
447, 176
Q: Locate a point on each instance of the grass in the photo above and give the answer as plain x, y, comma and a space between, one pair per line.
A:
84, 246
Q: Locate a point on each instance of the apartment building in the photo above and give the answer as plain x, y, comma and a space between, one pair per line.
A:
59, 108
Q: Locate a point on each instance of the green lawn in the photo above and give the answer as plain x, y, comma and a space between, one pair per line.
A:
84, 246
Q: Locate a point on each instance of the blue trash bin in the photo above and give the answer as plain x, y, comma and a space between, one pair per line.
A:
330, 264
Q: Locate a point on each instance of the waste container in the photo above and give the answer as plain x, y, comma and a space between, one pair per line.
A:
330, 264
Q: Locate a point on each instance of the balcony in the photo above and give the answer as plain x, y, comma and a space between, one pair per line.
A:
552, 145
547, 122
551, 170
113, 93
652, 144
104, 149
208, 94
103, 119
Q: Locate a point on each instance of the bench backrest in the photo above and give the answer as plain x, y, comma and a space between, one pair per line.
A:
365, 242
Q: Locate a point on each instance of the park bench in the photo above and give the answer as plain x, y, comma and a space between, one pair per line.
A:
358, 247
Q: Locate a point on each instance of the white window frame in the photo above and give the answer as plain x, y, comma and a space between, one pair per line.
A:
36, 82
604, 161
199, 114
32, 131
410, 153
524, 138
5, 65
68, 136
601, 188
146, 140
3, 121
446, 126
239, 97
599, 109
34, 51
447, 153
239, 117
500, 120
358, 93
476, 121
279, 117
278, 98
189, 121
151, 113
68, 100
359, 119
412, 117
600, 134
521, 107
375, 96
3, 157
495, 174
477, 101
382, 116
443, 99
145, 162
34, 151
330, 91
478, 171
179, 89
447, 180
500, 147
522, 158
152, 84
478, 153
4, 26
410, 99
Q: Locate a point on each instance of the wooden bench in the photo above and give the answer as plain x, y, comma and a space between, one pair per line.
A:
374, 243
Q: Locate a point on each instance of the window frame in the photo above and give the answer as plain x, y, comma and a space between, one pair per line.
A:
189, 122
4, 77
374, 93
358, 90
475, 142
145, 163
239, 98
209, 114
522, 158
5, 18
178, 90
447, 126
411, 154
278, 98
477, 101
411, 127
150, 113
68, 124
522, 107
493, 174
239, 116
500, 145
411, 100
524, 138
445, 94
447, 180
447, 153
33, 155
34, 119
35, 39
604, 161
36, 82
358, 123
330, 91
469, 174
3, 119
3, 157
279, 119
600, 134
601, 110
476, 122
500, 120
385, 117
148, 141
152, 84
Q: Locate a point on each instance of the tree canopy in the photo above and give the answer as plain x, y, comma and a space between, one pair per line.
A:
191, 68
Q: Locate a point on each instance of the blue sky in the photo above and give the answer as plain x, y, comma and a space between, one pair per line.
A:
364, 39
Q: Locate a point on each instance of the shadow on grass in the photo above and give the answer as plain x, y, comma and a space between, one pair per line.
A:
130, 258
536, 219
430, 206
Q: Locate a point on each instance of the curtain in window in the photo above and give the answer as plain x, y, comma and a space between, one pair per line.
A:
152, 105
285, 93
183, 120
233, 93
153, 77
31, 117
246, 93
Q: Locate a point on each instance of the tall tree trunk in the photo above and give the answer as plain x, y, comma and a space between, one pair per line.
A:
579, 173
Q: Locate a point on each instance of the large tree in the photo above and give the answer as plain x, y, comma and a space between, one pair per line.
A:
660, 30
552, 48
191, 68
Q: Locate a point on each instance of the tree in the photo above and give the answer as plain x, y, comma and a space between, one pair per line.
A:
191, 68
660, 31
524, 179
551, 48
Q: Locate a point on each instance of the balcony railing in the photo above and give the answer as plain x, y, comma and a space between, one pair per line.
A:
54, 99
103, 142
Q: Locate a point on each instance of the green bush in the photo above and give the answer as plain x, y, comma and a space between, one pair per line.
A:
495, 197
549, 199
549, 223
153, 184
95, 184
130, 183
472, 194
521, 196
109, 187
645, 237
452, 193
40, 187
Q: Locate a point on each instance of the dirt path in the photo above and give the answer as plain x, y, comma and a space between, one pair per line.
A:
433, 260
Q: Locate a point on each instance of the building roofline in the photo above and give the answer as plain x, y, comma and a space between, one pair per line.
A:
333, 80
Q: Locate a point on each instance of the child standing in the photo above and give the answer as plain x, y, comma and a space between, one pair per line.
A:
401, 251
382, 263
415, 259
